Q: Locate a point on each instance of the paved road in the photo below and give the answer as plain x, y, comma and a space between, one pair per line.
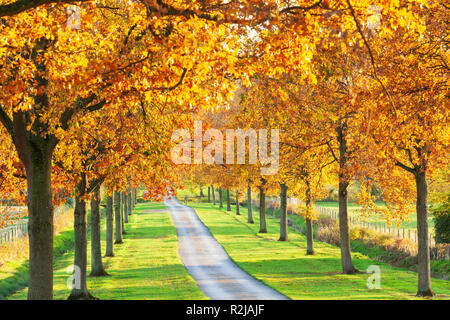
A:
208, 263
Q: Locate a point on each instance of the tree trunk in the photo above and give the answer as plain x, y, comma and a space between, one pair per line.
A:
109, 227
283, 218
130, 205
213, 195
122, 211
262, 211
220, 198
118, 217
201, 193
125, 206
96, 245
344, 240
237, 203
40, 230
249, 205
423, 255
209, 194
309, 229
346, 257
79, 289
228, 200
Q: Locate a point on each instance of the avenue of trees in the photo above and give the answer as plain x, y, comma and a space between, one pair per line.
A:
90, 96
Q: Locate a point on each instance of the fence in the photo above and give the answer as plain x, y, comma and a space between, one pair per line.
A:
20, 228
17, 230
381, 227
402, 233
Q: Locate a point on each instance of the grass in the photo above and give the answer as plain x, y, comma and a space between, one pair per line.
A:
14, 272
285, 266
146, 266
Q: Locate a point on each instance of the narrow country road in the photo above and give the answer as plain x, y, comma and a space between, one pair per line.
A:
208, 263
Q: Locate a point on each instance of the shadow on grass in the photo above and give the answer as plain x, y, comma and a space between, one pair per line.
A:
63, 242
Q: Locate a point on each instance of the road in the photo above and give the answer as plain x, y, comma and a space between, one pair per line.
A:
208, 263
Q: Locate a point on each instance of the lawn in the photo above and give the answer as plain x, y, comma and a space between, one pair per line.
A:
285, 267
145, 266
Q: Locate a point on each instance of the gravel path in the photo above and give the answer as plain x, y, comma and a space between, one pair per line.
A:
208, 263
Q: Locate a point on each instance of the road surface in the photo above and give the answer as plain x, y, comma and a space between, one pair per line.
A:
208, 263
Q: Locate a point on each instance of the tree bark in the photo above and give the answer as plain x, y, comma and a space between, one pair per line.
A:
283, 212
213, 195
209, 194
249, 205
129, 202
262, 211
309, 229
423, 255
79, 289
40, 229
201, 193
228, 200
125, 206
346, 257
118, 218
97, 268
237, 203
220, 198
109, 227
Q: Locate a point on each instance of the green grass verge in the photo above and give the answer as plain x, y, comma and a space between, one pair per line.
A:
145, 266
14, 274
285, 266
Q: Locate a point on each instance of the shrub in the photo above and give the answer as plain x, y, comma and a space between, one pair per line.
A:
442, 222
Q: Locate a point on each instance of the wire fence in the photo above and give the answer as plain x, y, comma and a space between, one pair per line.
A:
437, 251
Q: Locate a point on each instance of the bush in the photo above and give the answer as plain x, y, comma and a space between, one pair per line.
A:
442, 222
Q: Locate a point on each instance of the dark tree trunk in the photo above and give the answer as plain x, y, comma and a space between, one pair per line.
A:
201, 193
283, 212
346, 257
79, 289
109, 227
237, 203
118, 218
40, 229
122, 211
262, 211
213, 195
97, 268
309, 229
228, 200
125, 206
209, 194
220, 198
423, 255
129, 202
249, 205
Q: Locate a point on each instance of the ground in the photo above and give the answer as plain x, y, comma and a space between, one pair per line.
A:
147, 265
